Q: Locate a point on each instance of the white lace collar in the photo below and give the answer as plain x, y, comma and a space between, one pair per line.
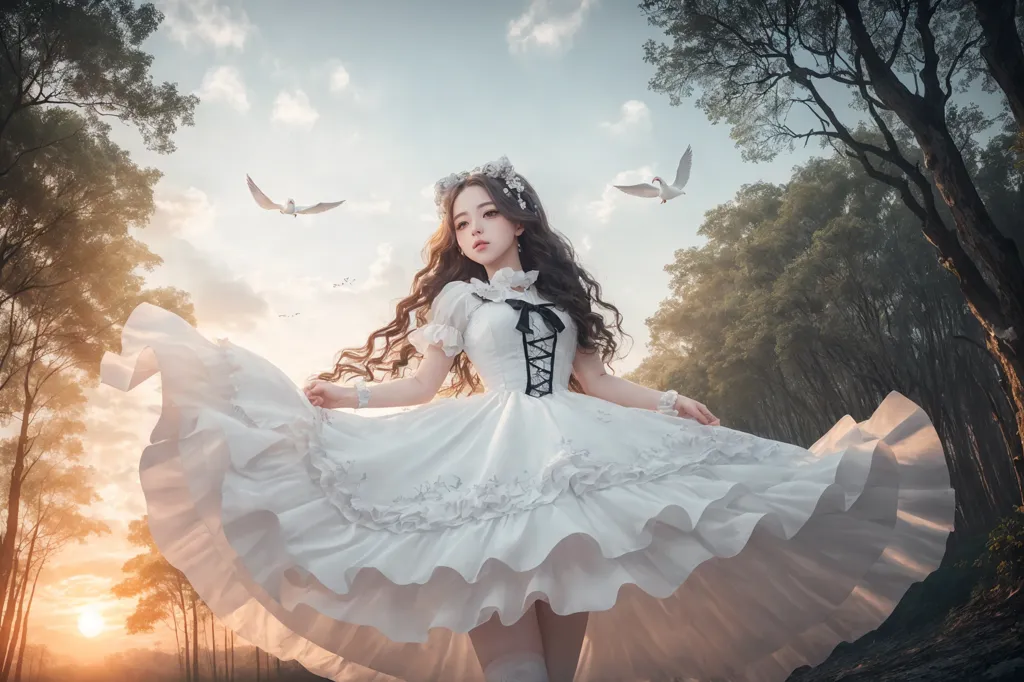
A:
503, 284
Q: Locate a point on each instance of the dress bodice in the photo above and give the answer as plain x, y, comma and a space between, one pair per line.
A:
516, 339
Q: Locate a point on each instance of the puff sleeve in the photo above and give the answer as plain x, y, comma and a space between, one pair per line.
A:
447, 320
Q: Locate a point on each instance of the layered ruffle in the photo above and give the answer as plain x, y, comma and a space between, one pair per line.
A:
706, 553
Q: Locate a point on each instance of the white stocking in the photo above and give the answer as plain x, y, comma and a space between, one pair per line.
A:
517, 667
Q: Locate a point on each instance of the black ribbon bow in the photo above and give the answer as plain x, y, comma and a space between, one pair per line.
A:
549, 316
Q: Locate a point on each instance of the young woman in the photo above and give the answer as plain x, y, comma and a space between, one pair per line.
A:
561, 524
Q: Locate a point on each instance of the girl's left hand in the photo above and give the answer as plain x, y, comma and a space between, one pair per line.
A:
688, 408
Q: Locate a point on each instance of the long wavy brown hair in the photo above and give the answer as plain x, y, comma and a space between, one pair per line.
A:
562, 280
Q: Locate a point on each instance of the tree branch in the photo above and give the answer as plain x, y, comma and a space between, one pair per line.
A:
36, 148
970, 44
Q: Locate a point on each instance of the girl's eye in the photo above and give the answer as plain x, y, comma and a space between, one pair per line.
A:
491, 213
460, 226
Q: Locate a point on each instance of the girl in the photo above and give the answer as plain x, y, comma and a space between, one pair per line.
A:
563, 524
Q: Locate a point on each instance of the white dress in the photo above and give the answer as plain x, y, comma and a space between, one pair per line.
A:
367, 546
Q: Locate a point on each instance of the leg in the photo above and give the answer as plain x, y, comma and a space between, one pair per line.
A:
510, 653
562, 637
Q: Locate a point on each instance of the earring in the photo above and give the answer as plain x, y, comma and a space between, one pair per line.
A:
520, 245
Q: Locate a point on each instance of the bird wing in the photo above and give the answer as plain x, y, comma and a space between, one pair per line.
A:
683, 171
262, 199
644, 189
319, 208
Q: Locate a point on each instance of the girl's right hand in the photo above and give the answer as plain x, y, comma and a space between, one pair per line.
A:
329, 395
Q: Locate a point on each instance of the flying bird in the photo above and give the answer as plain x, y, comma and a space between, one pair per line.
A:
289, 207
663, 191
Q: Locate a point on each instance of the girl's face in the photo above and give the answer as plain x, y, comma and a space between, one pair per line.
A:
484, 235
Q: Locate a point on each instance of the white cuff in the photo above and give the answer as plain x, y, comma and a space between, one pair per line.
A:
667, 402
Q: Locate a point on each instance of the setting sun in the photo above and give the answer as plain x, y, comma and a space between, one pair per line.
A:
90, 623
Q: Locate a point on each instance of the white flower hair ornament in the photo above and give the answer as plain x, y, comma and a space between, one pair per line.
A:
499, 170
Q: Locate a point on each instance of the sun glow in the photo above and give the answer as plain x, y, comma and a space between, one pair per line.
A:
90, 622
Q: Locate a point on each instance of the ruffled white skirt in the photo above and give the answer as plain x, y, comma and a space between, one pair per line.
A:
366, 547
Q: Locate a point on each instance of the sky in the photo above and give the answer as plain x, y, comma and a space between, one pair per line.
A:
371, 103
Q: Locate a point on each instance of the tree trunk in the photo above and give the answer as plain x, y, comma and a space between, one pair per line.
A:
986, 262
177, 639
24, 627
195, 640
10, 599
11, 632
213, 640
17, 471
1002, 50
184, 627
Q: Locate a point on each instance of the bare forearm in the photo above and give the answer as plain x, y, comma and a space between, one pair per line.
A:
623, 392
415, 390
396, 393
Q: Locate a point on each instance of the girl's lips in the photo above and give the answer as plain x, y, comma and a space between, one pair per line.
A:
480, 245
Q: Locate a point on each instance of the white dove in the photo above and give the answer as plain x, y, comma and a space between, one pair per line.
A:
664, 192
289, 207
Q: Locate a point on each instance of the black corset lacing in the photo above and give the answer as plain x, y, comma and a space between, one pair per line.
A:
540, 357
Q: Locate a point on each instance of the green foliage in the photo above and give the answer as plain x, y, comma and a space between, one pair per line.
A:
1018, 148
68, 262
85, 55
1004, 550
781, 73
814, 299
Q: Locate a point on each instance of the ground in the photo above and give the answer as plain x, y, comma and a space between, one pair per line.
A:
956, 626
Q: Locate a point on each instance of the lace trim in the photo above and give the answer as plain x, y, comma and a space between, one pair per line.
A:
503, 284
448, 502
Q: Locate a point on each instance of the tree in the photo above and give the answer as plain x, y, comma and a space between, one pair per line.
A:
762, 64
56, 489
1018, 148
1001, 50
816, 298
75, 281
84, 54
164, 596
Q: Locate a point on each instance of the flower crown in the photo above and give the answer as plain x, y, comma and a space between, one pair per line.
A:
499, 170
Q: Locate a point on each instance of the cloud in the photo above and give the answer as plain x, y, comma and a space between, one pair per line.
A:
429, 212
220, 297
294, 109
339, 82
633, 114
383, 270
339, 78
601, 209
224, 84
541, 27
206, 21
